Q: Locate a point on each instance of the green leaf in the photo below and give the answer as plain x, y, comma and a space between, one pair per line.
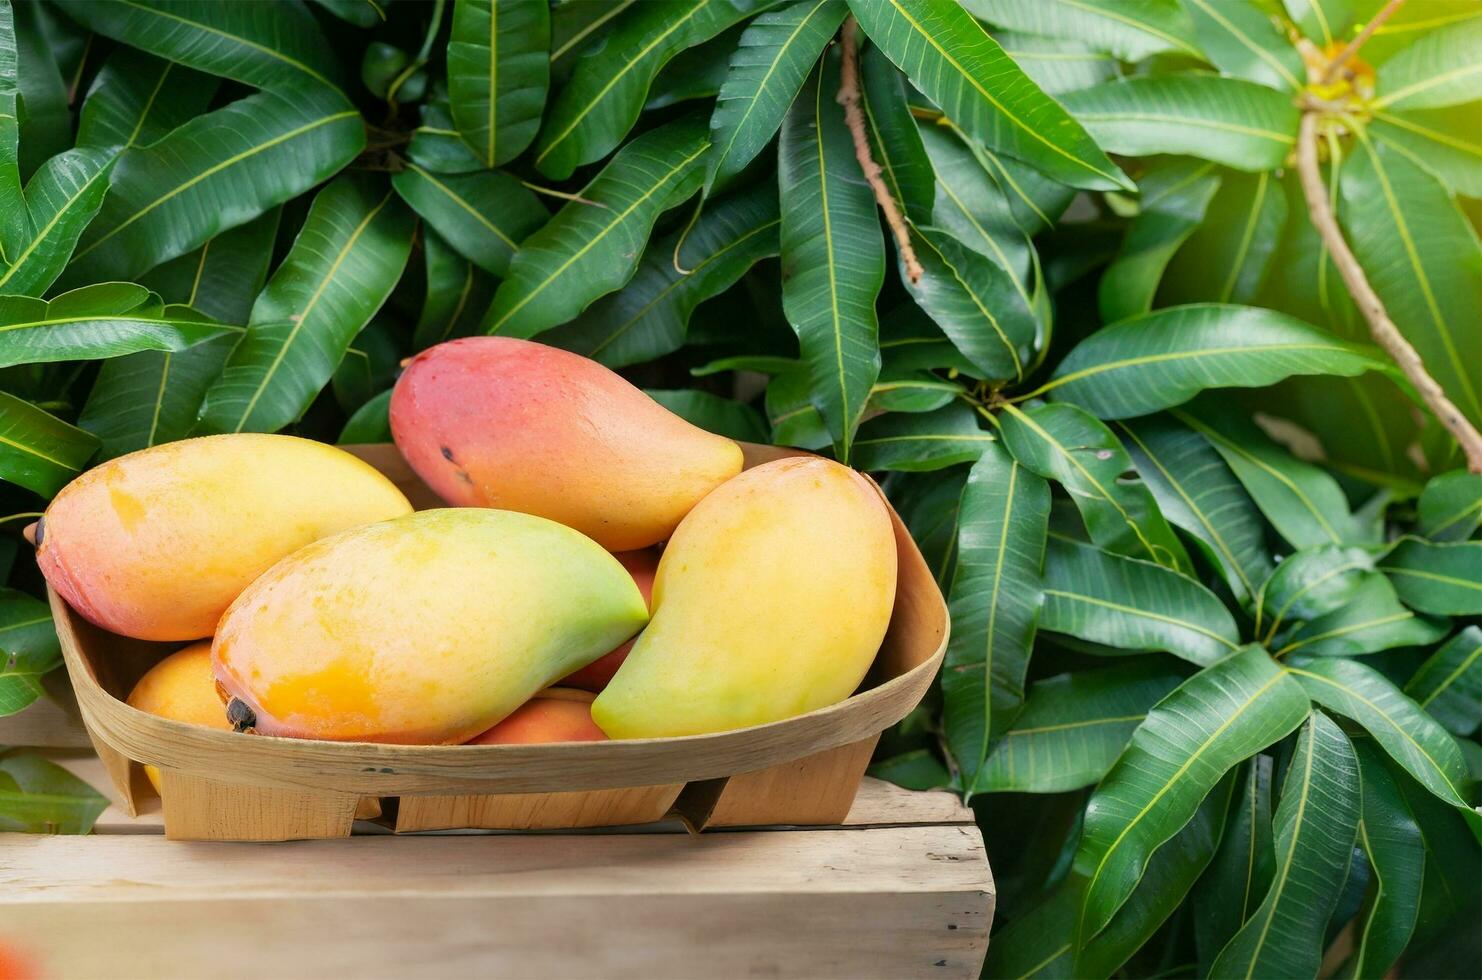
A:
1072, 728
370, 424
28, 649
1228, 120
713, 413
1393, 842
361, 13
1244, 40
1443, 141
929, 504
215, 172
61, 198
695, 73
1316, 825
1450, 506
1449, 683
647, 318
919, 441
953, 61
138, 99
1174, 196
436, 145
270, 46
895, 140
970, 205
1439, 69
578, 27
15, 229
40, 797
458, 293
912, 391
1132, 605
833, 260
223, 277
1228, 256
1311, 583
1197, 493
1061, 442
498, 67
1373, 621
918, 769
1129, 29
599, 105
39, 451
1055, 64
370, 364
1191, 738
86, 324
344, 263
1323, 21
43, 109
995, 598
1444, 579
586, 251
792, 415
775, 54
1423, 259
483, 215
1240, 874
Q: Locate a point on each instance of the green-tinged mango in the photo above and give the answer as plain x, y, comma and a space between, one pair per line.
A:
427, 629
157, 544
771, 600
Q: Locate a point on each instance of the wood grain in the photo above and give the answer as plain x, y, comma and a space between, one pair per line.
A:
538, 811
816, 789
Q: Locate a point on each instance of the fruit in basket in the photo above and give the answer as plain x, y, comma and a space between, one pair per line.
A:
770, 601
500, 422
181, 687
557, 714
156, 544
642, 565
427, 629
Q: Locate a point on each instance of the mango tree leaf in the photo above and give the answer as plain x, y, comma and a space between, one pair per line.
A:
833, 260
43, 110
1227, 258
15, 228
1439, 69
772, 60
371, 422
1443, 141
1423, 259
1240, 874
1449, 683
1072, 728
577, 26
1061, 442
1323, 21
483, 215
344, 263
61, 198
1243, 40
1240, 124
1217, 718
361, 13
952, 60
970, 205
33, 331
1311, 583
1393, 842
1130, 29
1316, 825
1132, 605
917, 441
215, 172
436, 145
895, 139
1450, 506
912, 391
458, 293
1374, 620
498, 67
918, 769
713, 413
268, 46
929, 504
1444, 579
586, 251
28, 649
40, 797
694, 73
138, 98
599, 105
648, 317
791, 413
995, 598
39, 451
1196, 492
1055, 64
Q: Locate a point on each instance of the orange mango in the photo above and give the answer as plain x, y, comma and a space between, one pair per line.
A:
557, 714
181, 687
642, 565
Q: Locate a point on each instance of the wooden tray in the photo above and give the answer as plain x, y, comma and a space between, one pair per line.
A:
219, 785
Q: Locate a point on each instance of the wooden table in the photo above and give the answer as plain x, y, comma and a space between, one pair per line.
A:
902, 890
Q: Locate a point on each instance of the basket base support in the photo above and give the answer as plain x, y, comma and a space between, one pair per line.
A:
197, 808
537, 811
816, 789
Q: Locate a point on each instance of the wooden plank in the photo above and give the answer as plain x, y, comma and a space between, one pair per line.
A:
892, 901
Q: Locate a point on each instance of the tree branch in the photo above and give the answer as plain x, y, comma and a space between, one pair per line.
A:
1341, 59
1383, 329
848, 97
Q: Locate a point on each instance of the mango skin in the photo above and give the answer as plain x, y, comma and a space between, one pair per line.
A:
181, 687
555, 715
156, 544
427, 629
500, 422
643, 566
771, 600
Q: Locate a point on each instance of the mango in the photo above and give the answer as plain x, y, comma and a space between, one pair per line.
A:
426, 629
771, 600
500, 422
181, 687
156, 544
557, 714
642, 565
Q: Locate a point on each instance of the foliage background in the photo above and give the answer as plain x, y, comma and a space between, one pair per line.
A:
1214, 682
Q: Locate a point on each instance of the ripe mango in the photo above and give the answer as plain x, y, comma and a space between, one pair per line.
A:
771, 600
157, 544
427, 629
181, 687
500, 422
557, 714
642, 565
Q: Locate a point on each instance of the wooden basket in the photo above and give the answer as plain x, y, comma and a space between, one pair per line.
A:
219, 785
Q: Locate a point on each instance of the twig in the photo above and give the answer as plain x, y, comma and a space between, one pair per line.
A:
1383, 329
1336, 65
849, 98
563, 195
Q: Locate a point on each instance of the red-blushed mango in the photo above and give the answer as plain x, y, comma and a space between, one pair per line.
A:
771, 600
500, 422
181, 687
157, 544
642, 565
427, 629
557, 714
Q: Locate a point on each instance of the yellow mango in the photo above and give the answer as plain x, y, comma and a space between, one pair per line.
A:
156, 544
771, 600
427, 629
181, 687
